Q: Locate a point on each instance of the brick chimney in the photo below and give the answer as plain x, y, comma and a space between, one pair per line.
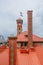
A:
19, 25
29, 13
12, 50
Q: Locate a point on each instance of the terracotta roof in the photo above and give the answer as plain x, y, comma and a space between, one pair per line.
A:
4, 57
24, 37
31, 58
28, 59
2, 48
21, 37
39, 53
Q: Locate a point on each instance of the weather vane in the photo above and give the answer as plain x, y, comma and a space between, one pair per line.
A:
21, 14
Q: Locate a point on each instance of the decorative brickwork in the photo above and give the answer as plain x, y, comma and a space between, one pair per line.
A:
29, 13
12, 51
19, 25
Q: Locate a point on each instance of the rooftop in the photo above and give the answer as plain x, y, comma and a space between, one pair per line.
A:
31, 58
24, 37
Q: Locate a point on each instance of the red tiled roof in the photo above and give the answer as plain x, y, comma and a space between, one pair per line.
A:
37, 38
28, 59
31, 58
39, 53
4, 57
22, 37
2, 48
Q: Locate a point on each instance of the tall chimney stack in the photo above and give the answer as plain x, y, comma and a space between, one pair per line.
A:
12, 50
19, 25
29, 13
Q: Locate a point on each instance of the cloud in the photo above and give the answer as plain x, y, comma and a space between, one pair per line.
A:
38, 24
9, 12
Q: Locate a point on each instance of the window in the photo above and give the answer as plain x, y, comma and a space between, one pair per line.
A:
24, 44
21, 44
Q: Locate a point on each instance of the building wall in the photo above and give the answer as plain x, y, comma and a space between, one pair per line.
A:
20, 44
38, 44
34, 44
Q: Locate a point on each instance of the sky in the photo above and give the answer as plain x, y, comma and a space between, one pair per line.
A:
10, 12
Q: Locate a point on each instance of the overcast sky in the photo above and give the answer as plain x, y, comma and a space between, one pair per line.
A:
10, 11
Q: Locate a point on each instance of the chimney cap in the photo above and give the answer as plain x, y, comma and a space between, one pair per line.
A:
19, 19
12, 36
29, 11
